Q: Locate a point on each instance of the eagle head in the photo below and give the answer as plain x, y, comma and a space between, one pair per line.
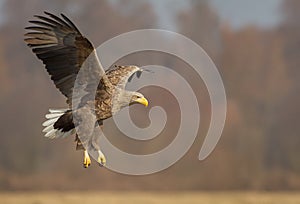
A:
138, 98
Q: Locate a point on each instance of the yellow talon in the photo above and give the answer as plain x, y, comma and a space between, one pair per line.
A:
101, 158
86, 160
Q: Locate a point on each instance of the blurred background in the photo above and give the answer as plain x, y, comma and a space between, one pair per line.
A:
256, 47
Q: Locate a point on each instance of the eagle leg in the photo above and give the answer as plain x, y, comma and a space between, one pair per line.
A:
101, 158
86, 156
86, 160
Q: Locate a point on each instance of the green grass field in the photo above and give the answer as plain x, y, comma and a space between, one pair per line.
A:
149, 198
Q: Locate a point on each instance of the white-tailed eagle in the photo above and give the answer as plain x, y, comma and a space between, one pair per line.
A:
63, 49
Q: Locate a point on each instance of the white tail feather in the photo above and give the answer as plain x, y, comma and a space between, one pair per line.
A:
50, 122
52, 117
48, 128
51, 133
57, 110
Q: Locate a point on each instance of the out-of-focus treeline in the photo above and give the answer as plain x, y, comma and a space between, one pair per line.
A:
259, 148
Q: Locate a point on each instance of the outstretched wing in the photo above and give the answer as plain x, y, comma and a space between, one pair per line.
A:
63, 49
122, 74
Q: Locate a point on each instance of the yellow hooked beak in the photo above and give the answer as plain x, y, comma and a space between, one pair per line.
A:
143, 101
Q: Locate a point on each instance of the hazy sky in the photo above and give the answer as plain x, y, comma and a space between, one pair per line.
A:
264, 13
238, 13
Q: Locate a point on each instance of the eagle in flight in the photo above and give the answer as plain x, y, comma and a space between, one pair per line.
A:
65, 51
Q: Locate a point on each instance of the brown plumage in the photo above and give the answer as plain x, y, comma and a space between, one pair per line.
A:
65, 52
